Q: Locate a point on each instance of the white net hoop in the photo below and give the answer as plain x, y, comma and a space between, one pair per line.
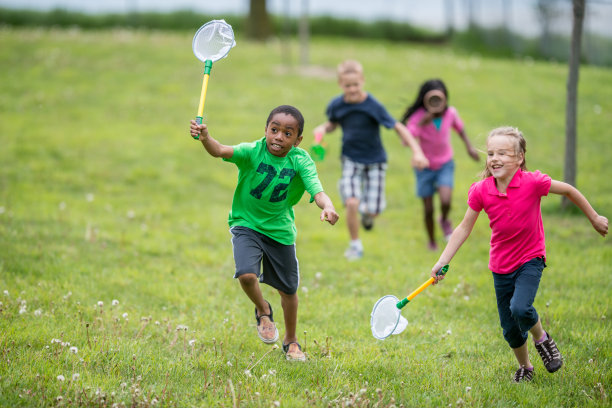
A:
386, 318
213, 41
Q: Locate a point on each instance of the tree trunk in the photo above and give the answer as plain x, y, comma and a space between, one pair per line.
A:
258, 25
569, 170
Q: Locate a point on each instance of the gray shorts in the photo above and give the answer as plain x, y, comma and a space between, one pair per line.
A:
274, 264
366, 182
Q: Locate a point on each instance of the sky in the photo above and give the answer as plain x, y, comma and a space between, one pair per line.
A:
520, 15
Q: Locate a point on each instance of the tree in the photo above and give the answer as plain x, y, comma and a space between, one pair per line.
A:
569, 169
258, 24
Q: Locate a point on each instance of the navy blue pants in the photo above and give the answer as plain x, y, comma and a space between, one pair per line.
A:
515, 294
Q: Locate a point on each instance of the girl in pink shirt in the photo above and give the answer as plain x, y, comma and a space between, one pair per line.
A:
510, 195
430, 120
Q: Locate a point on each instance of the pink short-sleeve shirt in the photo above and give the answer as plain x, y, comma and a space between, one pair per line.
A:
435, 143
515, 218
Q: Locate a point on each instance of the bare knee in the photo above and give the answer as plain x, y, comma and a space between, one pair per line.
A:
247, 279
352, 203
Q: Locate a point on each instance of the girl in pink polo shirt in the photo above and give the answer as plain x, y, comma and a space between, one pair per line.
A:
510, 195
430, 120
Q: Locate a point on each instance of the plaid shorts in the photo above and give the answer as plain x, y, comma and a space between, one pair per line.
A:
366, 182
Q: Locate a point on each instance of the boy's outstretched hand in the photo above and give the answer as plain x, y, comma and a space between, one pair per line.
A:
330, 215
198, 130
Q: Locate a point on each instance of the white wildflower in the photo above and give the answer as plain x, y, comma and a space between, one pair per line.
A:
59, 398
130, 214
75, 377
115, 302
67, 295
276, 403
468, 389
60, 378
23, 309
247, 373
229, 363
89, 197
37, 312
6, 293
318, 275
304, 289
125, 315
100, 303
449, 332
74, 350
62, 206
192, 342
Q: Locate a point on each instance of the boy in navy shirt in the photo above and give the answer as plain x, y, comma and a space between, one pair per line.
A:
364, 160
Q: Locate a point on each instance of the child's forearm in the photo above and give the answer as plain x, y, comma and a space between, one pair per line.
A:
323, 201
328, 212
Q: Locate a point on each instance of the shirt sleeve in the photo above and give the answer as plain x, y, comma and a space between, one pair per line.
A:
543, 182
242, 154
309, 176
475, 196
383, 116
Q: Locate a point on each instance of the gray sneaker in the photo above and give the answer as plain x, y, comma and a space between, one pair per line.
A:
353, 254
551, 357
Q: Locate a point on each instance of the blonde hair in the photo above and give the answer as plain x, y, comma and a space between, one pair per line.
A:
520, 145
349, 67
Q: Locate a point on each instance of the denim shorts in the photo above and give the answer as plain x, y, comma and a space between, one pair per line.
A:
428, 180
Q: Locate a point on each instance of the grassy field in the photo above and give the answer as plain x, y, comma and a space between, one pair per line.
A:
116, 264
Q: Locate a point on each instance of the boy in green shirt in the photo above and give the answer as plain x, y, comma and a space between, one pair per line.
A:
273, 175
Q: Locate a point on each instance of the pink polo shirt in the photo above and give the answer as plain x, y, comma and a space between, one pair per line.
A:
436, 144
515, 218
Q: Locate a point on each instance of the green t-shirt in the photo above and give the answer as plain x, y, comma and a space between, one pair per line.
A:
268, 188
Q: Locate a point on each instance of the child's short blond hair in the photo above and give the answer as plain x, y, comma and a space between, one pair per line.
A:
349, 67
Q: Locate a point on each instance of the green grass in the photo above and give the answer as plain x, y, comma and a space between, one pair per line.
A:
104, 196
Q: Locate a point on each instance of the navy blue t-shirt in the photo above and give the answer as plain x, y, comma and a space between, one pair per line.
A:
360, 124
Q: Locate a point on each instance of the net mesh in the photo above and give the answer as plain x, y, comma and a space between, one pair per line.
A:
213, 41
386, 318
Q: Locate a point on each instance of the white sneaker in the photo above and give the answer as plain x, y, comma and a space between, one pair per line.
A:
353, 254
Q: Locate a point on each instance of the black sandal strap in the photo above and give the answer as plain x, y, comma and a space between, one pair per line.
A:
286, 346
269, 316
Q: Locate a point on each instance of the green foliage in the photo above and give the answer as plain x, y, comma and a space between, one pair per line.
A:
495, 42
104, 196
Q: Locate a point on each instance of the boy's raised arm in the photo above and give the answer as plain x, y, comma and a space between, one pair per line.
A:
599, 222
213, 147
418, 158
